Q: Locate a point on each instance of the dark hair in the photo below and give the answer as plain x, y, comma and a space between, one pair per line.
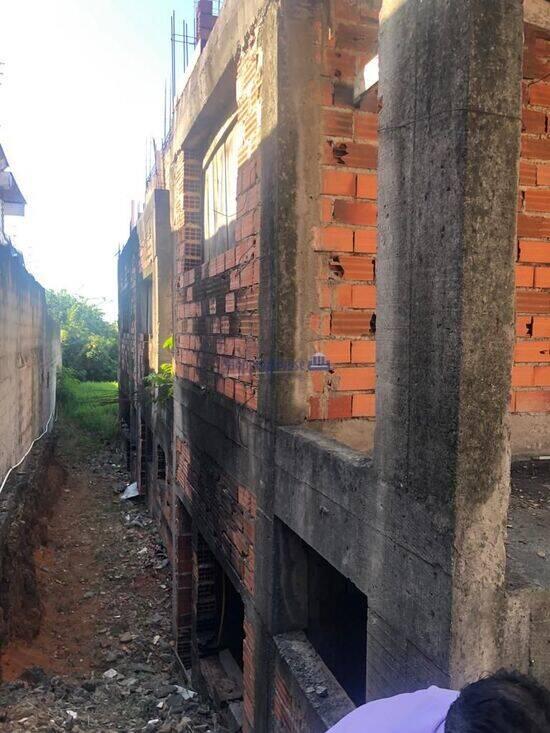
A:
506, 702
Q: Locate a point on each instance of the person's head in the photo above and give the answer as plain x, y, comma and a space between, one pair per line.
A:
505, 702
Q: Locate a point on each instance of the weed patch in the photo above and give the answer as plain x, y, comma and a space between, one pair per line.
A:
93, 406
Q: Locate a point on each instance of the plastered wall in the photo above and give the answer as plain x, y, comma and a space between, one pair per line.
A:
30, 355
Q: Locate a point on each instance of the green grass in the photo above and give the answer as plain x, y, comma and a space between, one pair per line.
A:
92, 406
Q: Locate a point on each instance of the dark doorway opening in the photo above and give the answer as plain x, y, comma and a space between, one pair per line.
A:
220, 609
161, 464
337, 625
146, 454
327, 607
182, 583
220, 635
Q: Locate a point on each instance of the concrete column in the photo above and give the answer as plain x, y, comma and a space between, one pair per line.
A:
450, 74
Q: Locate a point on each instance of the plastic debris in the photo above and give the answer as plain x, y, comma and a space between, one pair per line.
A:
185, 693
130, 492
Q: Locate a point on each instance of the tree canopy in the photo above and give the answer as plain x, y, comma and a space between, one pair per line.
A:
89, 342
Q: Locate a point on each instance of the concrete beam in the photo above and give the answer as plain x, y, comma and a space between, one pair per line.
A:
205, 87
450, 78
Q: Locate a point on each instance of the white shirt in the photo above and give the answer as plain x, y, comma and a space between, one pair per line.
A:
423, 711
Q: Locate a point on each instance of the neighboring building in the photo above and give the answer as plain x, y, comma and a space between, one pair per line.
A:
332, 476
12, 202
29, 342
30, 355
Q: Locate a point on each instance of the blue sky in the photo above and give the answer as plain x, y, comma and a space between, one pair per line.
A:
82, 90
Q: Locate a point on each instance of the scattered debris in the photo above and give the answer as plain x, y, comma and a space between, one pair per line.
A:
111, 665
131, 492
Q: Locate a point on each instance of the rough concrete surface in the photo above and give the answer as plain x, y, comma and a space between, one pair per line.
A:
528, 544
449, 147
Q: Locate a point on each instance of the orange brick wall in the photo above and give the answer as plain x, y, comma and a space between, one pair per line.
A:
217, 302
225, 508
284, 708
344, 324
531, 371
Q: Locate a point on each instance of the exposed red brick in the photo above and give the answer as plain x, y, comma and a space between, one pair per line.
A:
523, 376
535, 148
364, 405
344, 296
338, 123
532, 302
365, 126
524, 276
339, 407
524, 326
363, 352
541, 327
363, 296
345, 323
356, 267
537, 199
542, 277
533, 121
542, 176
355, 213
533, 226
532, 351
527, 173
352, 155
333, 239
537, 251
539, 94
541, 376
367, 186
337, 351
530, 401
365, 241
354, 378
340, 64
338, 183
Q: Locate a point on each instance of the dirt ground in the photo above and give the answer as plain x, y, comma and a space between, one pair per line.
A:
103, 658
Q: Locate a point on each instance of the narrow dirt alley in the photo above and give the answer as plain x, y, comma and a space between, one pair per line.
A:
103, 659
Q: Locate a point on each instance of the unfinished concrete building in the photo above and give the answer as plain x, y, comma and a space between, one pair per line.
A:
334, 250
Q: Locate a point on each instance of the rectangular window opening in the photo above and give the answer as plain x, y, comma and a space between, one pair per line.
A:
326, 607
337, 624
220, 173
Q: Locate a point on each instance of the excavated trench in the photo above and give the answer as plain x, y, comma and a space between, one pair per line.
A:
26, 504
85, 593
